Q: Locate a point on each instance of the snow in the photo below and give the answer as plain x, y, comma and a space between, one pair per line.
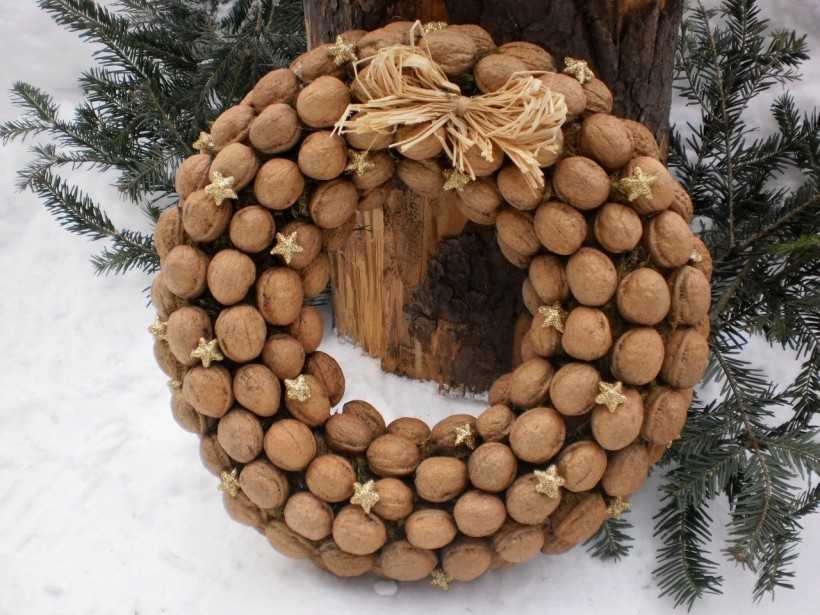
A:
104, 505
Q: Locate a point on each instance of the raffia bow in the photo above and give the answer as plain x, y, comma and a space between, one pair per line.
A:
405, 86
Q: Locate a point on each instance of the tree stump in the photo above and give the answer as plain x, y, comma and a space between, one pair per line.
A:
416, 285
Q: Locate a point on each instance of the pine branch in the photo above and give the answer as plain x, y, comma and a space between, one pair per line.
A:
611, 542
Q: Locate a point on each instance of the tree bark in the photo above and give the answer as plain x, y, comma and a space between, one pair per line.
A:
416, 285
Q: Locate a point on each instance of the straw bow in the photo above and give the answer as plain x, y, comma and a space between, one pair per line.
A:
403, 85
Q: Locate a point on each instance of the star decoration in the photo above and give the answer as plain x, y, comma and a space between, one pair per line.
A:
207, 352
298, 388
342, 51
358, 162
433, 26
617, 507
204, 143
549, 481
637, 185
465, 436
229, 483
440, 579
695, 257
554, 316
610, 395
286, 246
578, 69
158, 329
174, 385
456, 180
221, 188
365, 496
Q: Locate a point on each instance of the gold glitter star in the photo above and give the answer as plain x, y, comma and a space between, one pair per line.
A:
456, 180
617, 507
695, 257
636, 185
578, 69
358, 162
433, 26
610, 395
229, 483
298, 388
365, 495
440, 579
207, 352
549, 481
554, 316
158, 329
204, 143
174, 385
465, 436
286, 247
221, 188
342, 51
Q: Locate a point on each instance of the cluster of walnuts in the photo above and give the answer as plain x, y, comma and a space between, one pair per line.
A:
618, 291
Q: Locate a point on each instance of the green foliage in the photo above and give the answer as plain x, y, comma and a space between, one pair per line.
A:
165, 69
611, 542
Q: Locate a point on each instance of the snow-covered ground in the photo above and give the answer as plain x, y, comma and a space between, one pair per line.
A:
104, 506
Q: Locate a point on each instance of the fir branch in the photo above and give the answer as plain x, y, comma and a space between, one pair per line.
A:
611, 542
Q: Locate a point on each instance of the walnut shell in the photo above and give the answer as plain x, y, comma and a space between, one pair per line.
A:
616, 429
573, 388
515, 229
500, 390
453, 51
185, 327
322, 102
587, 334
232, 126
493, 425
643, 297
578, 517
687, 355
203, 219
669, 240
187, 417
421, 176
665, 417
544, 341
617, 228
277, 86
287, 542
357, 532
643, 141
626, 471
591, 277
193, 174
516, 190
604, 138
531, 299
284, 355
581, 182
494, 70
257, 389
443, 435
481, 38
662, 188
308, 516
383, 168
230, 276
412, 429
560, 228
492, 467
530, 382
184, 271
315, 410
599, 96
330, 478
208, 390
243, 511
308, 328
512, 255
396, 33
537, 435
637, 356
166, 361
440, 479
481, 166
279, 295
241, 332
479, 201
240, 434
367, 413
369, 141
164, 301
264, 485
238, 161
316, 276
517, 544
315, 63
534, 57
168, 232
213, 457
344, 564
395, 499
466, 559
348, 434
573, 92
323, 155
401, 561
548, 279
704, 262
430, 528
390, 456
276, 129
691, 296
526, 505
278, 184
333, 203
335, 239
582, 464
479, 514
429, 147
252, 229
290, 445
682, 203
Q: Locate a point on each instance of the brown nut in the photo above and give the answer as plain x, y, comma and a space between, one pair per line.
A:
277, 86
430, 528
346, 433
578, 517
290, 445
315, 409
208, 390
203, 219
492, 467
466, 559
422, 176
440, 479
315, 63
326, 370
500, 390
401, 561
643, 141
581, 464
185, 327
252, 229
166, 361
494, 70
257, 389
637, 356
242, 510
276, 129
682, 203
427, 148
528, 506
515, 228
573, 388
643, 297
395, 499
573, 92
545, 340
530, 382
581, 182
284, 355
238, 161
322, 102
308, 237
453, 51
264, 485
164, 301
308, 328
587, 334
187, 417
344, 564
323, 155
516, 190
287, 542
184, 271
666, 411
213, 457
279, 295
484, 166
616, 429
330, 478
493, 425
168, 232
537, 435
333, 203
691, 296
232, 126
517, 544
278, 184
391, 456
703, 259
548, 279
230, 276
591, 277
560, 228
316, 276
479, 201
662, 188
626, 471
412, 429
669, 240
445, 432
599, 97
381, 169
534, 57
193, 174
481, 38
357, 532
370, 141
617, 228
308, 516
367, 413
479, 514
606, 139
240, 434
687, 355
